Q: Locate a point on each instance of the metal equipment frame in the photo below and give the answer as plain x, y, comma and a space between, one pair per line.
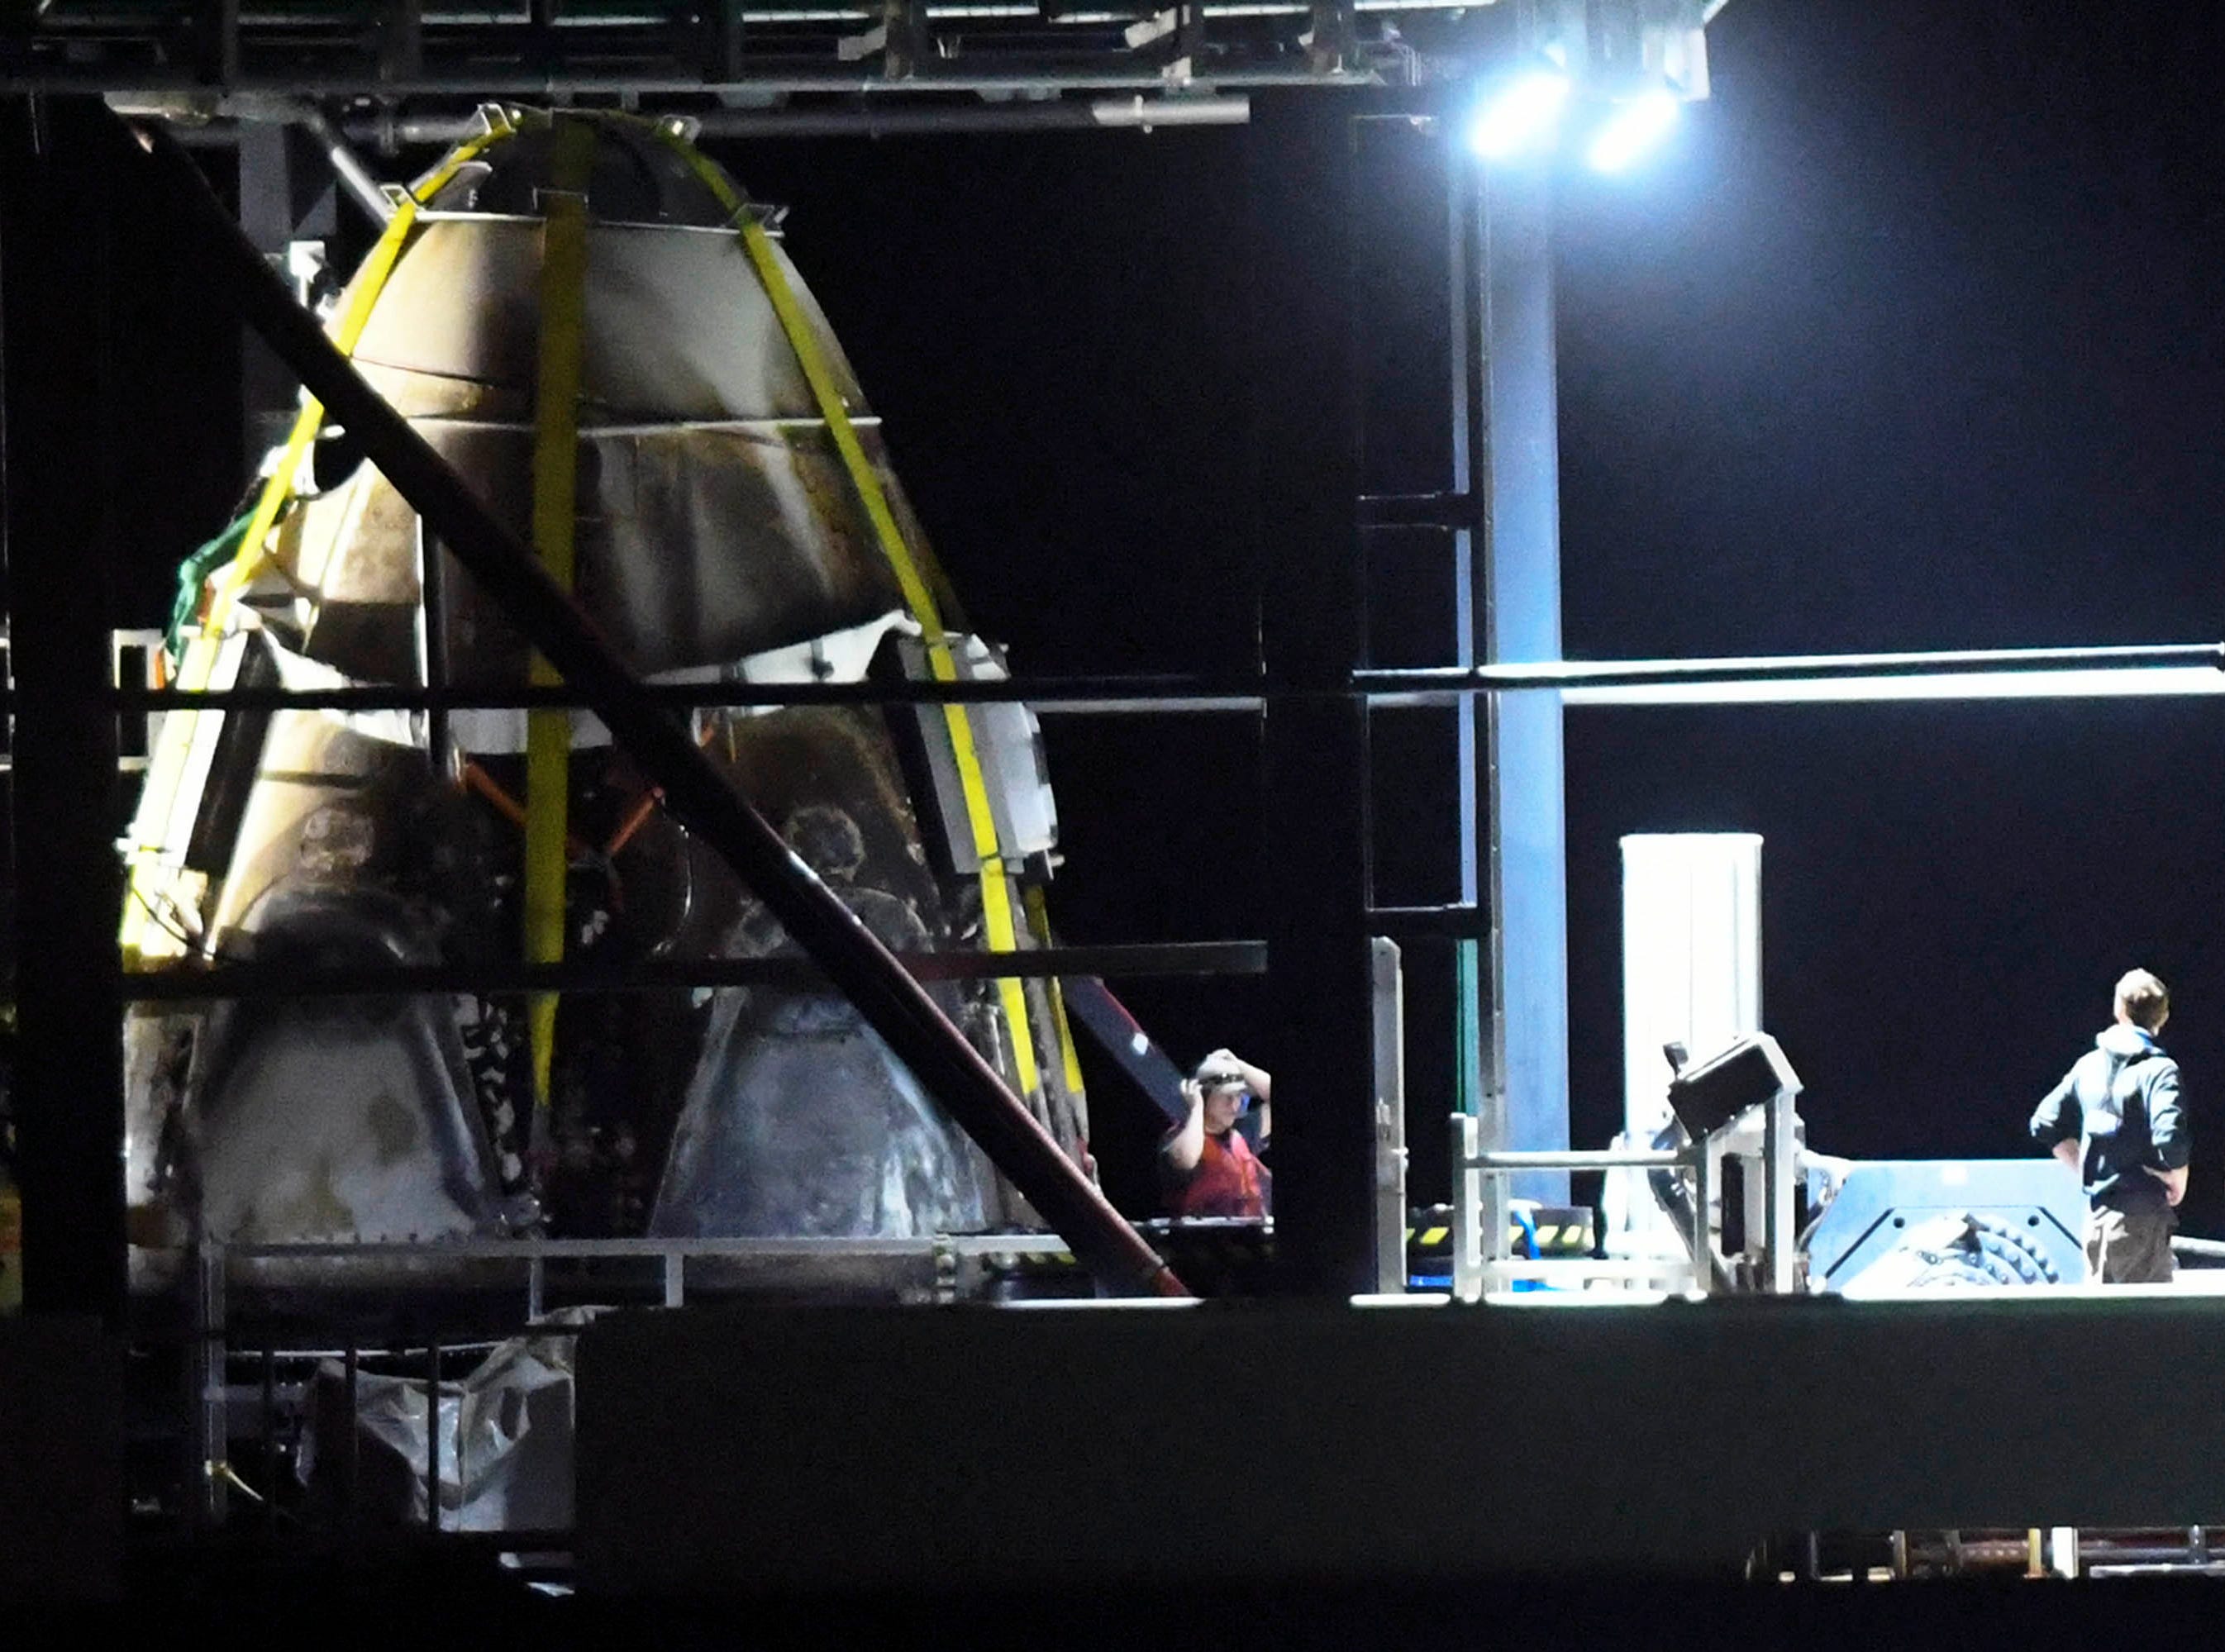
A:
753, 54
1762, 1137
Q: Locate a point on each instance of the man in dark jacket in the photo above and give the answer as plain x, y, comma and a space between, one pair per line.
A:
2115, 1119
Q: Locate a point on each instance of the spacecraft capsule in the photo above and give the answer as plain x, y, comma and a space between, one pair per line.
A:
607, 341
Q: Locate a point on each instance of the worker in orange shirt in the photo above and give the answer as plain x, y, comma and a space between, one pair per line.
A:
1207, 1165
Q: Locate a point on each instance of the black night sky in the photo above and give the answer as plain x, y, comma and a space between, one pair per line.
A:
1913, 339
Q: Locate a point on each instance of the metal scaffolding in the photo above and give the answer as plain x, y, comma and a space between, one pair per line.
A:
735, 50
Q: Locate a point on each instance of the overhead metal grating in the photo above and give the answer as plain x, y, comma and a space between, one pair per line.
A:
744, 56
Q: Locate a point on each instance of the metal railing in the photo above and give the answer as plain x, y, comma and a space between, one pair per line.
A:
281, 1356
1481, 1209
1762, 1136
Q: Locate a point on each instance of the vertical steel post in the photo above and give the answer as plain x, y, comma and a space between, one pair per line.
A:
1469, 1251
286, 195
401, 33
1706, 1187
2063, 1541
267, 1455
1464, 385
1479, 1042
64, 207
351, 1418
721, 40
219, 27
462, 1451
1389, 998
211, 1404
432, 1437
1780, 1164
1514, 468
433, 649
1313, 629
1753, 1207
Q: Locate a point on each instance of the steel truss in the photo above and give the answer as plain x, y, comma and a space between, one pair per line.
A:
739, 53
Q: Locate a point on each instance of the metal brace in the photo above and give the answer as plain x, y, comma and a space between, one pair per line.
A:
400, 28
1330, 40
853, 49
1157, 27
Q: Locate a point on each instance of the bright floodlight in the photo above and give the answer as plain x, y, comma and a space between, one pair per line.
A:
1634, 129
1519, 115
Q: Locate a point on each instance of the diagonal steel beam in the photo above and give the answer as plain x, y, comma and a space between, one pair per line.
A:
893, 1004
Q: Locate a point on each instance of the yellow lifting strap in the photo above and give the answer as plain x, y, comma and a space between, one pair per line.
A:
1039, 923
997, 893
204, 645
369, 283
556, 519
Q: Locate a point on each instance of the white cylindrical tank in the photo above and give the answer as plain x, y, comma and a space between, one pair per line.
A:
1691, 975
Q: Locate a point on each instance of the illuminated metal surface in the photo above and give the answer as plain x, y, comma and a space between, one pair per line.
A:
2097, 683
1876, 1201
1954, 674
861, 55
1516, 472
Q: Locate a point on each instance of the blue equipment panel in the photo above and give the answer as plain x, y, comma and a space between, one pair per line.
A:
1879, 1199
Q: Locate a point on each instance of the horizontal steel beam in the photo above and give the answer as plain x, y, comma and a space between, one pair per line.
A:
1444, 685
253, 980
2180, 667
77, 20
199, 118
1067, 694
1447, 510
1455, 921
880, 117
1574, 1270
1086, 75
1584, 1159
964, 1244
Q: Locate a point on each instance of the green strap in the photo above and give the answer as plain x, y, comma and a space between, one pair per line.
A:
192, 574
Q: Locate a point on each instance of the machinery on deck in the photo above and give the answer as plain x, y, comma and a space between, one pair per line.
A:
1711, 1185
1918, 1224
1752, 1210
